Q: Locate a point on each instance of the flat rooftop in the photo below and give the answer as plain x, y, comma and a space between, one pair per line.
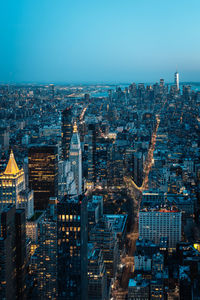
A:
118, 222
172, 209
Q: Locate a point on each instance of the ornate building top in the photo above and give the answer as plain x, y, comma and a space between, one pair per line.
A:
75, 129
12, 168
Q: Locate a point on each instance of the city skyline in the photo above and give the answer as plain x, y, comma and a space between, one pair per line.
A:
87, 42
99, 196
99, 150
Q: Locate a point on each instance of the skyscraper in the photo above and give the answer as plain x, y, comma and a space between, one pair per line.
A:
20, 240
72, 248
66, 182
66, 131
176, 80
103, 237
75, 157
13, 189
162, 85
47, 253
12, 253
11, 182
97, 277
92, 139
43, 173
7, 254
52, 90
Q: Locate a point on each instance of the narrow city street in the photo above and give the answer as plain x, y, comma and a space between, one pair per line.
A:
120, 288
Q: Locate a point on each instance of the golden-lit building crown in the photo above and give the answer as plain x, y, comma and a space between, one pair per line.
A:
12, 168
75, 129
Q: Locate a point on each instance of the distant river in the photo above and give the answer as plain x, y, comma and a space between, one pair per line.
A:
104, 91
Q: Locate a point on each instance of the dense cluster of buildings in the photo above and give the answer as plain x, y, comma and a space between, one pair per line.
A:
65, 208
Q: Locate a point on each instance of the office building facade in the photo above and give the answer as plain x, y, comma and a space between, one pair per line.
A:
47, 253
67, 130
97, 277
72, 248
155, 224
43, 173
12, 254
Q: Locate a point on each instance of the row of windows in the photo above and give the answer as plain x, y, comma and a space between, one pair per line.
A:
69, 217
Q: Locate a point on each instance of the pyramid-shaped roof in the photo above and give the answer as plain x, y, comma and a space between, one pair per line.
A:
12, 168
75, 140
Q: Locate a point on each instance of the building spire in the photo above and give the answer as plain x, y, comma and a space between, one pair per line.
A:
75, 129
12, 168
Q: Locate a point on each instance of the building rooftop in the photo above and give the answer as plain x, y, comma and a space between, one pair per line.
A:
36, 216
138, 282
164, 209
144, 243
118, 222
93, 253
12, 168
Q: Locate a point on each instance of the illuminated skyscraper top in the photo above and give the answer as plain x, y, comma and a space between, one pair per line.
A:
13, 188
12, 182
176, 80
75, 129
12, 168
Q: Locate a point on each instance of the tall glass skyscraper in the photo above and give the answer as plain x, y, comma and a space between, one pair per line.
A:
12, 253
72, 248
43, 173
75, 157
176, 80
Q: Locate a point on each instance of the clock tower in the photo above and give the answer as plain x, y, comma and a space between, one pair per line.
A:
75, 157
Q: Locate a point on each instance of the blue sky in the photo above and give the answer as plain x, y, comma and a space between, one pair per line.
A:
72, 41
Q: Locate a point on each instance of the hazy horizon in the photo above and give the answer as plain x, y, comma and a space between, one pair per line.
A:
109, 83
